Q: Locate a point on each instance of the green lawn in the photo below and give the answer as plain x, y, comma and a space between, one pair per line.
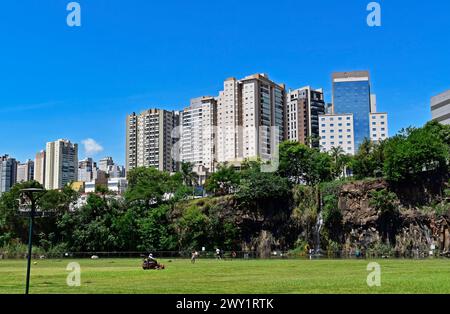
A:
211, 276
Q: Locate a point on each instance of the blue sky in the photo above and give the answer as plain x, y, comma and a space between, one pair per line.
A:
79, 83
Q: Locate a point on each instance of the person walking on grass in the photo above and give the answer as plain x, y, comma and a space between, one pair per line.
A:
218, 254
194, 257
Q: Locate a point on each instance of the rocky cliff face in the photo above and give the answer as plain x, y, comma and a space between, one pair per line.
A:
413, 232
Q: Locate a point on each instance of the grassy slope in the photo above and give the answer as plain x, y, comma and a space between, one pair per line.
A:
210, 276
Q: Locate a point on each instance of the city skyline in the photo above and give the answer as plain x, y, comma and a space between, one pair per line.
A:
82, 89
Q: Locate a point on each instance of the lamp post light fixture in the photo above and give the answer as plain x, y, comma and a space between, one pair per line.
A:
28, 204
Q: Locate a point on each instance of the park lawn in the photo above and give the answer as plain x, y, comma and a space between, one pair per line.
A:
231, 277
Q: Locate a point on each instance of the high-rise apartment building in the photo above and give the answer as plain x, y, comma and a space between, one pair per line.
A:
198, 137
104, 163
352, 94
61, 167
25, 171
336, 130
440, 108
8, 173
87, 169
250, 118
303, 107
39, 167
149, 139
229, 118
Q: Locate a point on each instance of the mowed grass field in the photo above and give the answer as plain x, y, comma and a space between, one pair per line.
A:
230, 277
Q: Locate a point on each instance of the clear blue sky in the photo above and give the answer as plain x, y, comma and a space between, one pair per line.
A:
79, 83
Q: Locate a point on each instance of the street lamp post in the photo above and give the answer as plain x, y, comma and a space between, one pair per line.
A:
33, 195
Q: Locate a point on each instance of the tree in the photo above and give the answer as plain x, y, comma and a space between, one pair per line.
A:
224, 181
258, 188
150, 186
340, 160
189, 177
302, 164
336, 153
15, 226
192, 229
155, 232
417, 155
369, 160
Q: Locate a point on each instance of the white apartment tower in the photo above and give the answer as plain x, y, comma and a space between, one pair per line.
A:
197, 126
39, 167
228, 120
149, 139
249, 110
61, 165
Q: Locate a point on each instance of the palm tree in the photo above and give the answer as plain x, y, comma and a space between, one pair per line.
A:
188, 174
336, 153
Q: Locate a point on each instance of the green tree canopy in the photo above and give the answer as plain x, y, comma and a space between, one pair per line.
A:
224, 181
302, 164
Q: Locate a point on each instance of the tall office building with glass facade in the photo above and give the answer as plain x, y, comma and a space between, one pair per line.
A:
351, 95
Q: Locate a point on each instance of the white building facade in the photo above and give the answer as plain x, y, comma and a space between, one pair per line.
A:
337, 130
149, 139
25, 171
250, 118
379, 129
440, 108
61, 165
198, 132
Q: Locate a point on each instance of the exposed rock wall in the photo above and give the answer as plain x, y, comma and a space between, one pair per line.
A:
414, 232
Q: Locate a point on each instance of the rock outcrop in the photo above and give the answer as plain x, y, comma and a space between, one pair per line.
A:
413, 233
